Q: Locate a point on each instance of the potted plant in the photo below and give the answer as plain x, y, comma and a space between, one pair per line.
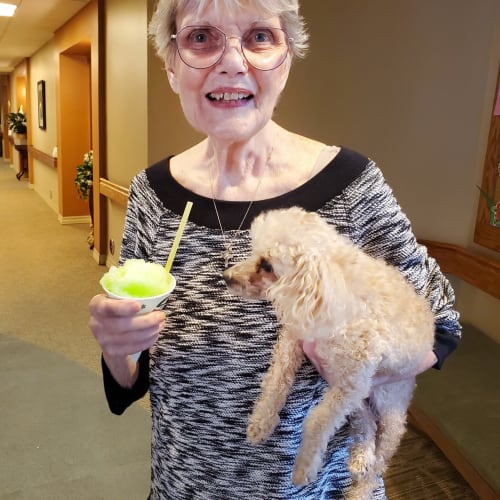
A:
18, 126
84, 176
493, 208
83, 181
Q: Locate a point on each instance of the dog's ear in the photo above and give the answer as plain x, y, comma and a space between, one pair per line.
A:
338, 302
312, 296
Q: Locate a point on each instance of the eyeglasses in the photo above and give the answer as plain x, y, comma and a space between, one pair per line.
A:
201, 47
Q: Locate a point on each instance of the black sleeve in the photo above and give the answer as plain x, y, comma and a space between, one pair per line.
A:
120, 398
444, 344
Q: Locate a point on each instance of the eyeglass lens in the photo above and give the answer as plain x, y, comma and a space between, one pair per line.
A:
203, 46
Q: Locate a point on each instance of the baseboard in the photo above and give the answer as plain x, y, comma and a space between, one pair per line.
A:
77, 219
111, 261
104, 260
99, 258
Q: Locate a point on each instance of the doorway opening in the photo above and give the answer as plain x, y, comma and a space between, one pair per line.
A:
75, 127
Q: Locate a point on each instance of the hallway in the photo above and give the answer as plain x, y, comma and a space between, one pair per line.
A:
58, 440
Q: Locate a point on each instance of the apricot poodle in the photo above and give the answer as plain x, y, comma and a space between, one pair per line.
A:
364, 317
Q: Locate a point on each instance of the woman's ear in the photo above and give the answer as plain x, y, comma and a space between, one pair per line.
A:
172, 79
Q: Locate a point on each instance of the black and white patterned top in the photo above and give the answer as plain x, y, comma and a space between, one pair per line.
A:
205, 370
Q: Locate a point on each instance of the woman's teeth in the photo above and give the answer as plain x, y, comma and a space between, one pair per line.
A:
228, 96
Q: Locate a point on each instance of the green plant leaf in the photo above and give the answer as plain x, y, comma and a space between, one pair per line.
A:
489, 200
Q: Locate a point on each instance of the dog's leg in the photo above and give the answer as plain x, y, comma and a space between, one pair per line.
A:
391, 402
363, 432
323, 421
363, 458
286, 360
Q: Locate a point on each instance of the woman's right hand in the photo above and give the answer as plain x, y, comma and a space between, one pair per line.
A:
120, 331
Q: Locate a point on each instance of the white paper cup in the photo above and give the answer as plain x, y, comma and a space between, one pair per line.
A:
148, 304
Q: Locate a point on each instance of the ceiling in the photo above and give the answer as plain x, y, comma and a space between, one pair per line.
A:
33, 25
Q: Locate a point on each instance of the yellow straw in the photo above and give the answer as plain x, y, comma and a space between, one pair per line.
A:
177, 239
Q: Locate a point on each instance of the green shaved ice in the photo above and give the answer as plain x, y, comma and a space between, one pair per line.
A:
137, 279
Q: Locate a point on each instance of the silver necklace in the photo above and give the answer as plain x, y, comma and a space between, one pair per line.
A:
227, 254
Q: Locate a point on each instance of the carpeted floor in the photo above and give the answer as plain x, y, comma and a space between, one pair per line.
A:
57, 439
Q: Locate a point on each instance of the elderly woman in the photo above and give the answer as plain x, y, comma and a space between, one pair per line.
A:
204, 356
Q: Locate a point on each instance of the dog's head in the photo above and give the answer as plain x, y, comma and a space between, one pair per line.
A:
292, 265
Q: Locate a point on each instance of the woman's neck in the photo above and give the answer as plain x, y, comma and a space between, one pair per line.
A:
237, 169
268, 165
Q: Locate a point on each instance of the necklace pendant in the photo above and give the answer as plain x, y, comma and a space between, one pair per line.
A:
227, 254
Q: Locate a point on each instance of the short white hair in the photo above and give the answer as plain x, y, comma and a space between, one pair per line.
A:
163, 21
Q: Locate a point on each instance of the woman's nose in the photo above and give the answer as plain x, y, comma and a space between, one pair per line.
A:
233, 59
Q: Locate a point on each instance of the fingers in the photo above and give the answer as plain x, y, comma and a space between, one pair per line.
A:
119, 330
101, 305
120, 344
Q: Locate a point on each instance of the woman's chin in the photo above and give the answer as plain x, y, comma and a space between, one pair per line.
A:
232, 130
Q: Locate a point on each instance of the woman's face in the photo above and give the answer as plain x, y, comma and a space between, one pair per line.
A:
249, 95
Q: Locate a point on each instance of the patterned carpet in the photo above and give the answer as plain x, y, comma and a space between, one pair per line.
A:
419, 471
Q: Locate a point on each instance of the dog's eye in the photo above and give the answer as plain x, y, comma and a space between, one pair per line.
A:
265, 265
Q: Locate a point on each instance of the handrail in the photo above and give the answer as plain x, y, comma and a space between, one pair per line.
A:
114, 192
477, 270
42, 157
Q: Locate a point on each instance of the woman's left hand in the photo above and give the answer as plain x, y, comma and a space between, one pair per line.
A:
309, 348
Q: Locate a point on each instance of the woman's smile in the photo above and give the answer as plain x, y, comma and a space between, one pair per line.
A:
230, 97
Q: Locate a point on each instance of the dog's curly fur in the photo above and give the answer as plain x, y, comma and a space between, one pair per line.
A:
364, 317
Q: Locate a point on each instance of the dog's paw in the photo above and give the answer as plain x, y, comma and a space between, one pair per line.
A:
361, 491
380, 466
305, 468
361, 463
259, 431
303, 475
358, 467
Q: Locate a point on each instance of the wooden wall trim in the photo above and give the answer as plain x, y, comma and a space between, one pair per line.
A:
114, 192
479, 271
42, 157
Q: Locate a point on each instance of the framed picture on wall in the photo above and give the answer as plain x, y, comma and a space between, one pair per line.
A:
487, 231
41, 104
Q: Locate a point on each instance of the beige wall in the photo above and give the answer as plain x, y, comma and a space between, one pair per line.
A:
126, 89
126, 100
411, 84
43, 66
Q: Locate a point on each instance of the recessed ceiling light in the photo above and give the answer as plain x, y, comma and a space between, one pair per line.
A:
7, 9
